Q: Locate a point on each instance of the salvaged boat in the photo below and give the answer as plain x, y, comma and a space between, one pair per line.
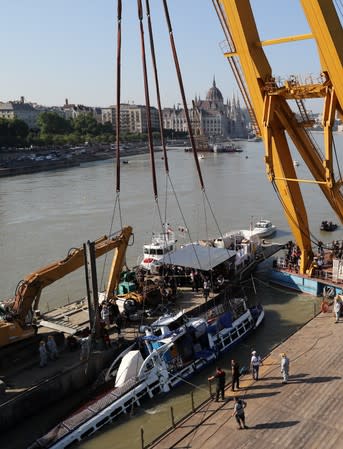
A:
171, 349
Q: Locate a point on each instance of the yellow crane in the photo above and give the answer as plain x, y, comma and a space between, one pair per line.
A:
272, 117
17, 322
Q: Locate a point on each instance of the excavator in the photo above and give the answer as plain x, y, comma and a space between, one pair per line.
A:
16, 315
269, 104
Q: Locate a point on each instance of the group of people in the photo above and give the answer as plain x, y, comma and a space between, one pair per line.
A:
47, 351
293, 256
240, 404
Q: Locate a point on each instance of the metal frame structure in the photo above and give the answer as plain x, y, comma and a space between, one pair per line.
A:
273, 116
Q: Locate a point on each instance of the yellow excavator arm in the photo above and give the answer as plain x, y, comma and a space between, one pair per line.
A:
272, 115
18, 325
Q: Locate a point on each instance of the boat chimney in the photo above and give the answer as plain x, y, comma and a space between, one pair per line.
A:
66, 101
22, 100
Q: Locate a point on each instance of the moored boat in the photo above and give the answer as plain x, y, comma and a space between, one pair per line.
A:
229, 147
328, 226
172, 349
160, 245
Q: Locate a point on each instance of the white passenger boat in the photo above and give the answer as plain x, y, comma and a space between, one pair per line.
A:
161, 244
262, 228
172, 349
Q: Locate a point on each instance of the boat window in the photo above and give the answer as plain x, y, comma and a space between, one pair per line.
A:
234, 335
159, 252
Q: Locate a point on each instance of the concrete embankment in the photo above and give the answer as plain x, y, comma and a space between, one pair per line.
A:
304, 413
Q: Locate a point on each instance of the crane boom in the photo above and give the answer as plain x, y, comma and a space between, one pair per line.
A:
274, 116
29, 290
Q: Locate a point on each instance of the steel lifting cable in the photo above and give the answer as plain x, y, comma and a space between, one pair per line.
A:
147, 97
310, 235
209, 248
119, 12
214, 218
184, 220
160, 114
153, 58
182, 91
118, 86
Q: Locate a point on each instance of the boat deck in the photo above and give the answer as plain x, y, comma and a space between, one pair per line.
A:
23, 372
305, 413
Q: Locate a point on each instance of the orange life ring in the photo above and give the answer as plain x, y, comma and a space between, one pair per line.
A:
324, 307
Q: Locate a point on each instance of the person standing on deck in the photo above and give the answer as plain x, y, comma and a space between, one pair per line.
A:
235, 375
220, 379
284, 367
206, 288
52, 348
85, 343
337, 308
238, 412
105, 315
255, 364
43, 355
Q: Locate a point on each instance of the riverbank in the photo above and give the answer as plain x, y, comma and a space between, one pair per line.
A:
22, 161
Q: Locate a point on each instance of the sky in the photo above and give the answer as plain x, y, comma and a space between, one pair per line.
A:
57, 49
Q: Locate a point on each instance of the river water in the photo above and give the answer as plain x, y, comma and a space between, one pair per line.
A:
42, 215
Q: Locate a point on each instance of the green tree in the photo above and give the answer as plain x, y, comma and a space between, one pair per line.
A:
53, 123
13, 132
85, 124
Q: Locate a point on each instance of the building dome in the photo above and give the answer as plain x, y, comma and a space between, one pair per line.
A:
214, 93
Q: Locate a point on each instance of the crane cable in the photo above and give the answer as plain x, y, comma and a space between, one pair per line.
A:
160, 114
118, 94
165, 155
158, 96
189, 125
147, 98
119, 14
182, 91
308, 234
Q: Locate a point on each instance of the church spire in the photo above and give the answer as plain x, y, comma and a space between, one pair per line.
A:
214, 81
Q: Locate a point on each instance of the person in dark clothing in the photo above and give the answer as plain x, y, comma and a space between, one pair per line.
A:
220, 383
235, 375
119, 323
238, 412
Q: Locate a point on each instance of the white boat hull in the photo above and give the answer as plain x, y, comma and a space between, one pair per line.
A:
155, 381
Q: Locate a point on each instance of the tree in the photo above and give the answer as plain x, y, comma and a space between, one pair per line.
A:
13, 131
53, 123
86, 124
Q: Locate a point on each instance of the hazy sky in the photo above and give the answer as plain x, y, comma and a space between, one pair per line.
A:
57, 49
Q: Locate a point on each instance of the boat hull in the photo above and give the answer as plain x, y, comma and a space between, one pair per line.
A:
119, 401
302, 283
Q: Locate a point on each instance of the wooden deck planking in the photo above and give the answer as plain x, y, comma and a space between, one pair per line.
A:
304, 414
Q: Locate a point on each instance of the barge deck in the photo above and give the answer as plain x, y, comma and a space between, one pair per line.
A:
305, 413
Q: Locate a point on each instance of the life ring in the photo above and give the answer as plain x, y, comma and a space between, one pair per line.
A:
324, 307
